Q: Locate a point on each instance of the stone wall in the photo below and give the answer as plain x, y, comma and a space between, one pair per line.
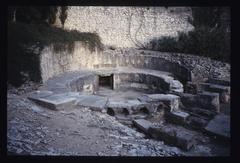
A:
184, 67
56, 62
128, 26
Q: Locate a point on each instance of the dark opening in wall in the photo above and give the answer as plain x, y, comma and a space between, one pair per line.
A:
106, 81
144, 110
110, 111
125, 111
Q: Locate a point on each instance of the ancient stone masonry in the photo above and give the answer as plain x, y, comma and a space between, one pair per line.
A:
99, 80
128, 26
178, 99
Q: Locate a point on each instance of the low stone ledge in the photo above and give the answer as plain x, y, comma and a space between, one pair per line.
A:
205, 100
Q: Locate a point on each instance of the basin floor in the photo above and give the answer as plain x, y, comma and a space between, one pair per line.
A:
124, 94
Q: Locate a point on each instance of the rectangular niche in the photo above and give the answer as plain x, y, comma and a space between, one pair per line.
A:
106, 81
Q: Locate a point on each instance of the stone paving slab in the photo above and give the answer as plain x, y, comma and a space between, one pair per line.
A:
93, 101
219, 126
39, 94
56, 101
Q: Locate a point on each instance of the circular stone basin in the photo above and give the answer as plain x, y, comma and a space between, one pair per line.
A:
149, 81
117, 89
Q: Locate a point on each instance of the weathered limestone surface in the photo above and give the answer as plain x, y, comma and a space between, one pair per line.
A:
56, 101
128, 26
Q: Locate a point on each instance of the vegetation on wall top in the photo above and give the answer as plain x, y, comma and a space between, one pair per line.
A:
210, 38
33, 26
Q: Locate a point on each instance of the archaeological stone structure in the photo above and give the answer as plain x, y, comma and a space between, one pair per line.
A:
164, 95
135, 86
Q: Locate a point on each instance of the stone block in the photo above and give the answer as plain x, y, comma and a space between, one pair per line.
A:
177, 117
96, 103
56, 101
172, 101
224, 92
207, 114
142, 124
185, 140
39, 94
196, 122
219, 81
191, 87
173, 136
209, 100
188, 100
219, 126
205, 100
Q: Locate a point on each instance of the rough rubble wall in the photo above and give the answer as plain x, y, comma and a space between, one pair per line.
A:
128, 26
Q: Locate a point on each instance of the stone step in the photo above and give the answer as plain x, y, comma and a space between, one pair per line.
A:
196, 123
173, 135
142, 124
200, 112
205, 100
177, 117
219, 81
224, 91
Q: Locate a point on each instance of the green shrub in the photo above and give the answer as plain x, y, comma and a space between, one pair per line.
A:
210, 38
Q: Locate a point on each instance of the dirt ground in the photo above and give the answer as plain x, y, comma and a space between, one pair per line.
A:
34, 130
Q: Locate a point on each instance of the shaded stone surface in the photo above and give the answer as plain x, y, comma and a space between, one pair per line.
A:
142, 124
93, 101
219, 126
205, 100
172, 101
173, 136
219, 81
196, 122
207, 114
177, 117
